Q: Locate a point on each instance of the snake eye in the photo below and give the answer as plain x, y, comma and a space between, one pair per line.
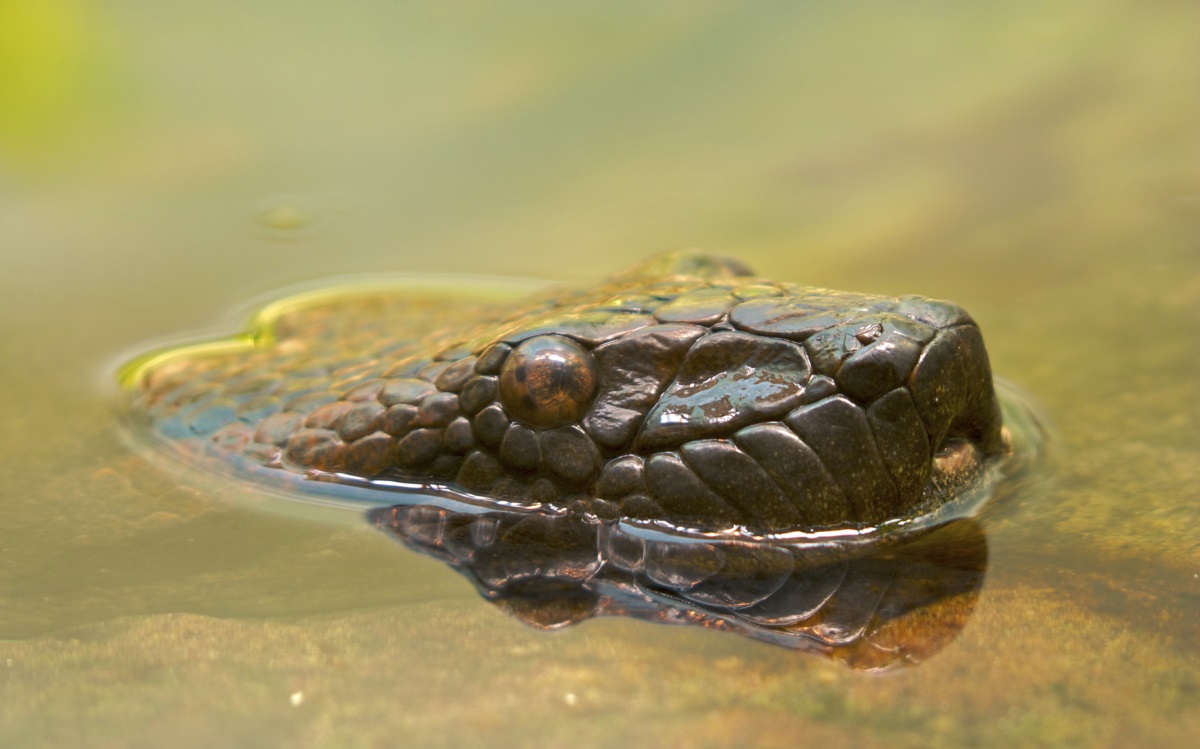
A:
548, 381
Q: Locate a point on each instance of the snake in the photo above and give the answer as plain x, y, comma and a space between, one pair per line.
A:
685, 394
683, 442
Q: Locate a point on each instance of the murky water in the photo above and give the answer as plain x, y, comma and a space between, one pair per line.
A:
164, 167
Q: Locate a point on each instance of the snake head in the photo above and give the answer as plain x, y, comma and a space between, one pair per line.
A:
686, 391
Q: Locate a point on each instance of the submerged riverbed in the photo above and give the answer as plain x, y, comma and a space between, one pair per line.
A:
1036, 166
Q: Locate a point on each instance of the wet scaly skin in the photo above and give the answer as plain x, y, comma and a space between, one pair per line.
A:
686, 392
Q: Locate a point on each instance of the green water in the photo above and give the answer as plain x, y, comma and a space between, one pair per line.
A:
164, 165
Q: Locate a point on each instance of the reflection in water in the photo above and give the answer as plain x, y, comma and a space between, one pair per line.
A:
894, 608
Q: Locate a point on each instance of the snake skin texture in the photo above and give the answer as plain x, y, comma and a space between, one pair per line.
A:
686, 391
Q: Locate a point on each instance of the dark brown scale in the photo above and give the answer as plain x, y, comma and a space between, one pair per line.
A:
902, 440
570, 455
838, 432
365, 391
404, 390
642, 506
727, 381
544, 489
477, 393
677, 489
480, 471
360, 420
446, 466
511, 488
742, 483
633, 373
798, 471
621, 477
951, 385
881, 365
521, 448
438, 410
490, 425
370, 455
328, 416
818, 387
418, 447
459, 437
456, 375
492, 358
315, 448
831, 346
781, 317
704, 307
398, 420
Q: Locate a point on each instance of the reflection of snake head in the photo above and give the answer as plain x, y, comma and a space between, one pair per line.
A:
874, 612
685, 393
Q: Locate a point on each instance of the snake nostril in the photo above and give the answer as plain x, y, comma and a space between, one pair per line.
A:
548, 381
956, 462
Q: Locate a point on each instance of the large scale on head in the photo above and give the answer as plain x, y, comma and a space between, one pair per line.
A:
685, 396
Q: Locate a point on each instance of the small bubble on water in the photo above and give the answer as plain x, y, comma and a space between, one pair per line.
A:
296, 699
571, 699
286, 216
